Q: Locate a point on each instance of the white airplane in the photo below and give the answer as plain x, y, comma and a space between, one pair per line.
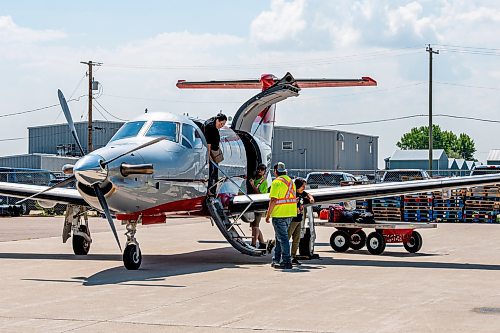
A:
157, 164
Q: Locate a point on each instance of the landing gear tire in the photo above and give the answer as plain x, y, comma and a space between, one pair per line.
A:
375, 243
81, 246
340, 241
306, 249
414, 244
358, 240
132, 257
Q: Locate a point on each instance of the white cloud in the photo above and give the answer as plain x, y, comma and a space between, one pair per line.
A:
10, 32
283, 22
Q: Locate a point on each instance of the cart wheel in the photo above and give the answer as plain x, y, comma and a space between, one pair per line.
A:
358, 240
340, 241
414, 244
375, 243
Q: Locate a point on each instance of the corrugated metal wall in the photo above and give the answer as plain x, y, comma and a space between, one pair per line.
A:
52, 163
325, 149
21, 161
55, 163
45, 139
439, 166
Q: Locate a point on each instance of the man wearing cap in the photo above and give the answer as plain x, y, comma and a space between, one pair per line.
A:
282, 208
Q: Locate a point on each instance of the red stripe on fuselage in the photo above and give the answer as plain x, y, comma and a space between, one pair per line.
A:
157, 214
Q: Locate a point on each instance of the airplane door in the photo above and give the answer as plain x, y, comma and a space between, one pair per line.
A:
191, 138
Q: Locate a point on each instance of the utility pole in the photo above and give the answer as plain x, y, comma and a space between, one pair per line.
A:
431, 51
91, 78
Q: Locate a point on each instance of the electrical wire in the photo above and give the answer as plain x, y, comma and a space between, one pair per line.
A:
406, 117
112, 115
282, 63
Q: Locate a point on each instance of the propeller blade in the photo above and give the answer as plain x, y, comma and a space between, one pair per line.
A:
69, 119
105, 208
59, 184
103, 164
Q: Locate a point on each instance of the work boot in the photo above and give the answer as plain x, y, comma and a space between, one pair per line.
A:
283, 266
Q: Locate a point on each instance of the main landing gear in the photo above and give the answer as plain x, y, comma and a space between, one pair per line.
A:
76, 224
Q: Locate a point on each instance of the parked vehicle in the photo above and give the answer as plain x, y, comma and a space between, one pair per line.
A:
328, 179
31, 177
401, 175
485, 170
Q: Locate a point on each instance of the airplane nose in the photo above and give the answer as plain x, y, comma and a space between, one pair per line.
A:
88, 170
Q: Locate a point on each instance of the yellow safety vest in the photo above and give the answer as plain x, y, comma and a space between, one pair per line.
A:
283, 189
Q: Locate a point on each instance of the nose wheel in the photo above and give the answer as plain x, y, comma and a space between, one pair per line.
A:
132, 257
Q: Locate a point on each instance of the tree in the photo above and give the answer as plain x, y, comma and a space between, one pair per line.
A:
455, 147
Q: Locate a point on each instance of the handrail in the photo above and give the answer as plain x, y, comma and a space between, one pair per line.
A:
239, 187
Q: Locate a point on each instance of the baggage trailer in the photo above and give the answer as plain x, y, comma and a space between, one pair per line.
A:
351, 235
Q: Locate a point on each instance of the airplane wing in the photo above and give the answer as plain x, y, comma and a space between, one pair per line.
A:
336, 194
60, 195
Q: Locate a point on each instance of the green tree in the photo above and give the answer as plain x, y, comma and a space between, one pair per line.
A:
455, 147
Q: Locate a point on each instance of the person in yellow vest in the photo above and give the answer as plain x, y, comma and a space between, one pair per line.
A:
282, 208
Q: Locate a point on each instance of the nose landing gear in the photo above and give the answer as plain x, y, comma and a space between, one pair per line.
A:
132, 257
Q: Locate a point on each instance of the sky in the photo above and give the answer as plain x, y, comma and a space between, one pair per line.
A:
145, 47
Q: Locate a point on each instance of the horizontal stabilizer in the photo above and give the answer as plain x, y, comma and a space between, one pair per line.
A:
257, 84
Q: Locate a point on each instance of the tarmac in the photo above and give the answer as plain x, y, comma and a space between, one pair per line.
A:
191, 280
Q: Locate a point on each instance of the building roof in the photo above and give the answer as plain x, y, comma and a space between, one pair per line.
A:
315, 129
494, 155
470, 164
460, 163
417, 155
452, 164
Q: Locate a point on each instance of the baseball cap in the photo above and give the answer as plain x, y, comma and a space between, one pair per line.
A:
280, 167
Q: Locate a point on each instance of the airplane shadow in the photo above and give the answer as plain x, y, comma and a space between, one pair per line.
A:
157, 268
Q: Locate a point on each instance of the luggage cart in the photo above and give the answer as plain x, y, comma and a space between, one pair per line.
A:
351, 235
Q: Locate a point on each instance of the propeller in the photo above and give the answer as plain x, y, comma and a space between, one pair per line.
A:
69, 119
105, 208
69, 168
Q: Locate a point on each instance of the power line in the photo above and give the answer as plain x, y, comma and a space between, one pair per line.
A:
112, 115
281, 63
28, 111
406, 117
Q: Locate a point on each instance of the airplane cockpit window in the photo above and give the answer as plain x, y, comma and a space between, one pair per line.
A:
190, 137
128, 130
167, 129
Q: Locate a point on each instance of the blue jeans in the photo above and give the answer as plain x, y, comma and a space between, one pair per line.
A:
282, 249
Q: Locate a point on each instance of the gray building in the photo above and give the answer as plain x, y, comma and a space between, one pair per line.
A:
493, 157
57, 139
37, 161
419, 159
322, 149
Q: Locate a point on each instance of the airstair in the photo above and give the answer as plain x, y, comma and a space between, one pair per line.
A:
230, 228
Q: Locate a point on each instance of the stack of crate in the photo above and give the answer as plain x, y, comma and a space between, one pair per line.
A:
482, 204
418, 207
449, 206
388, 209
